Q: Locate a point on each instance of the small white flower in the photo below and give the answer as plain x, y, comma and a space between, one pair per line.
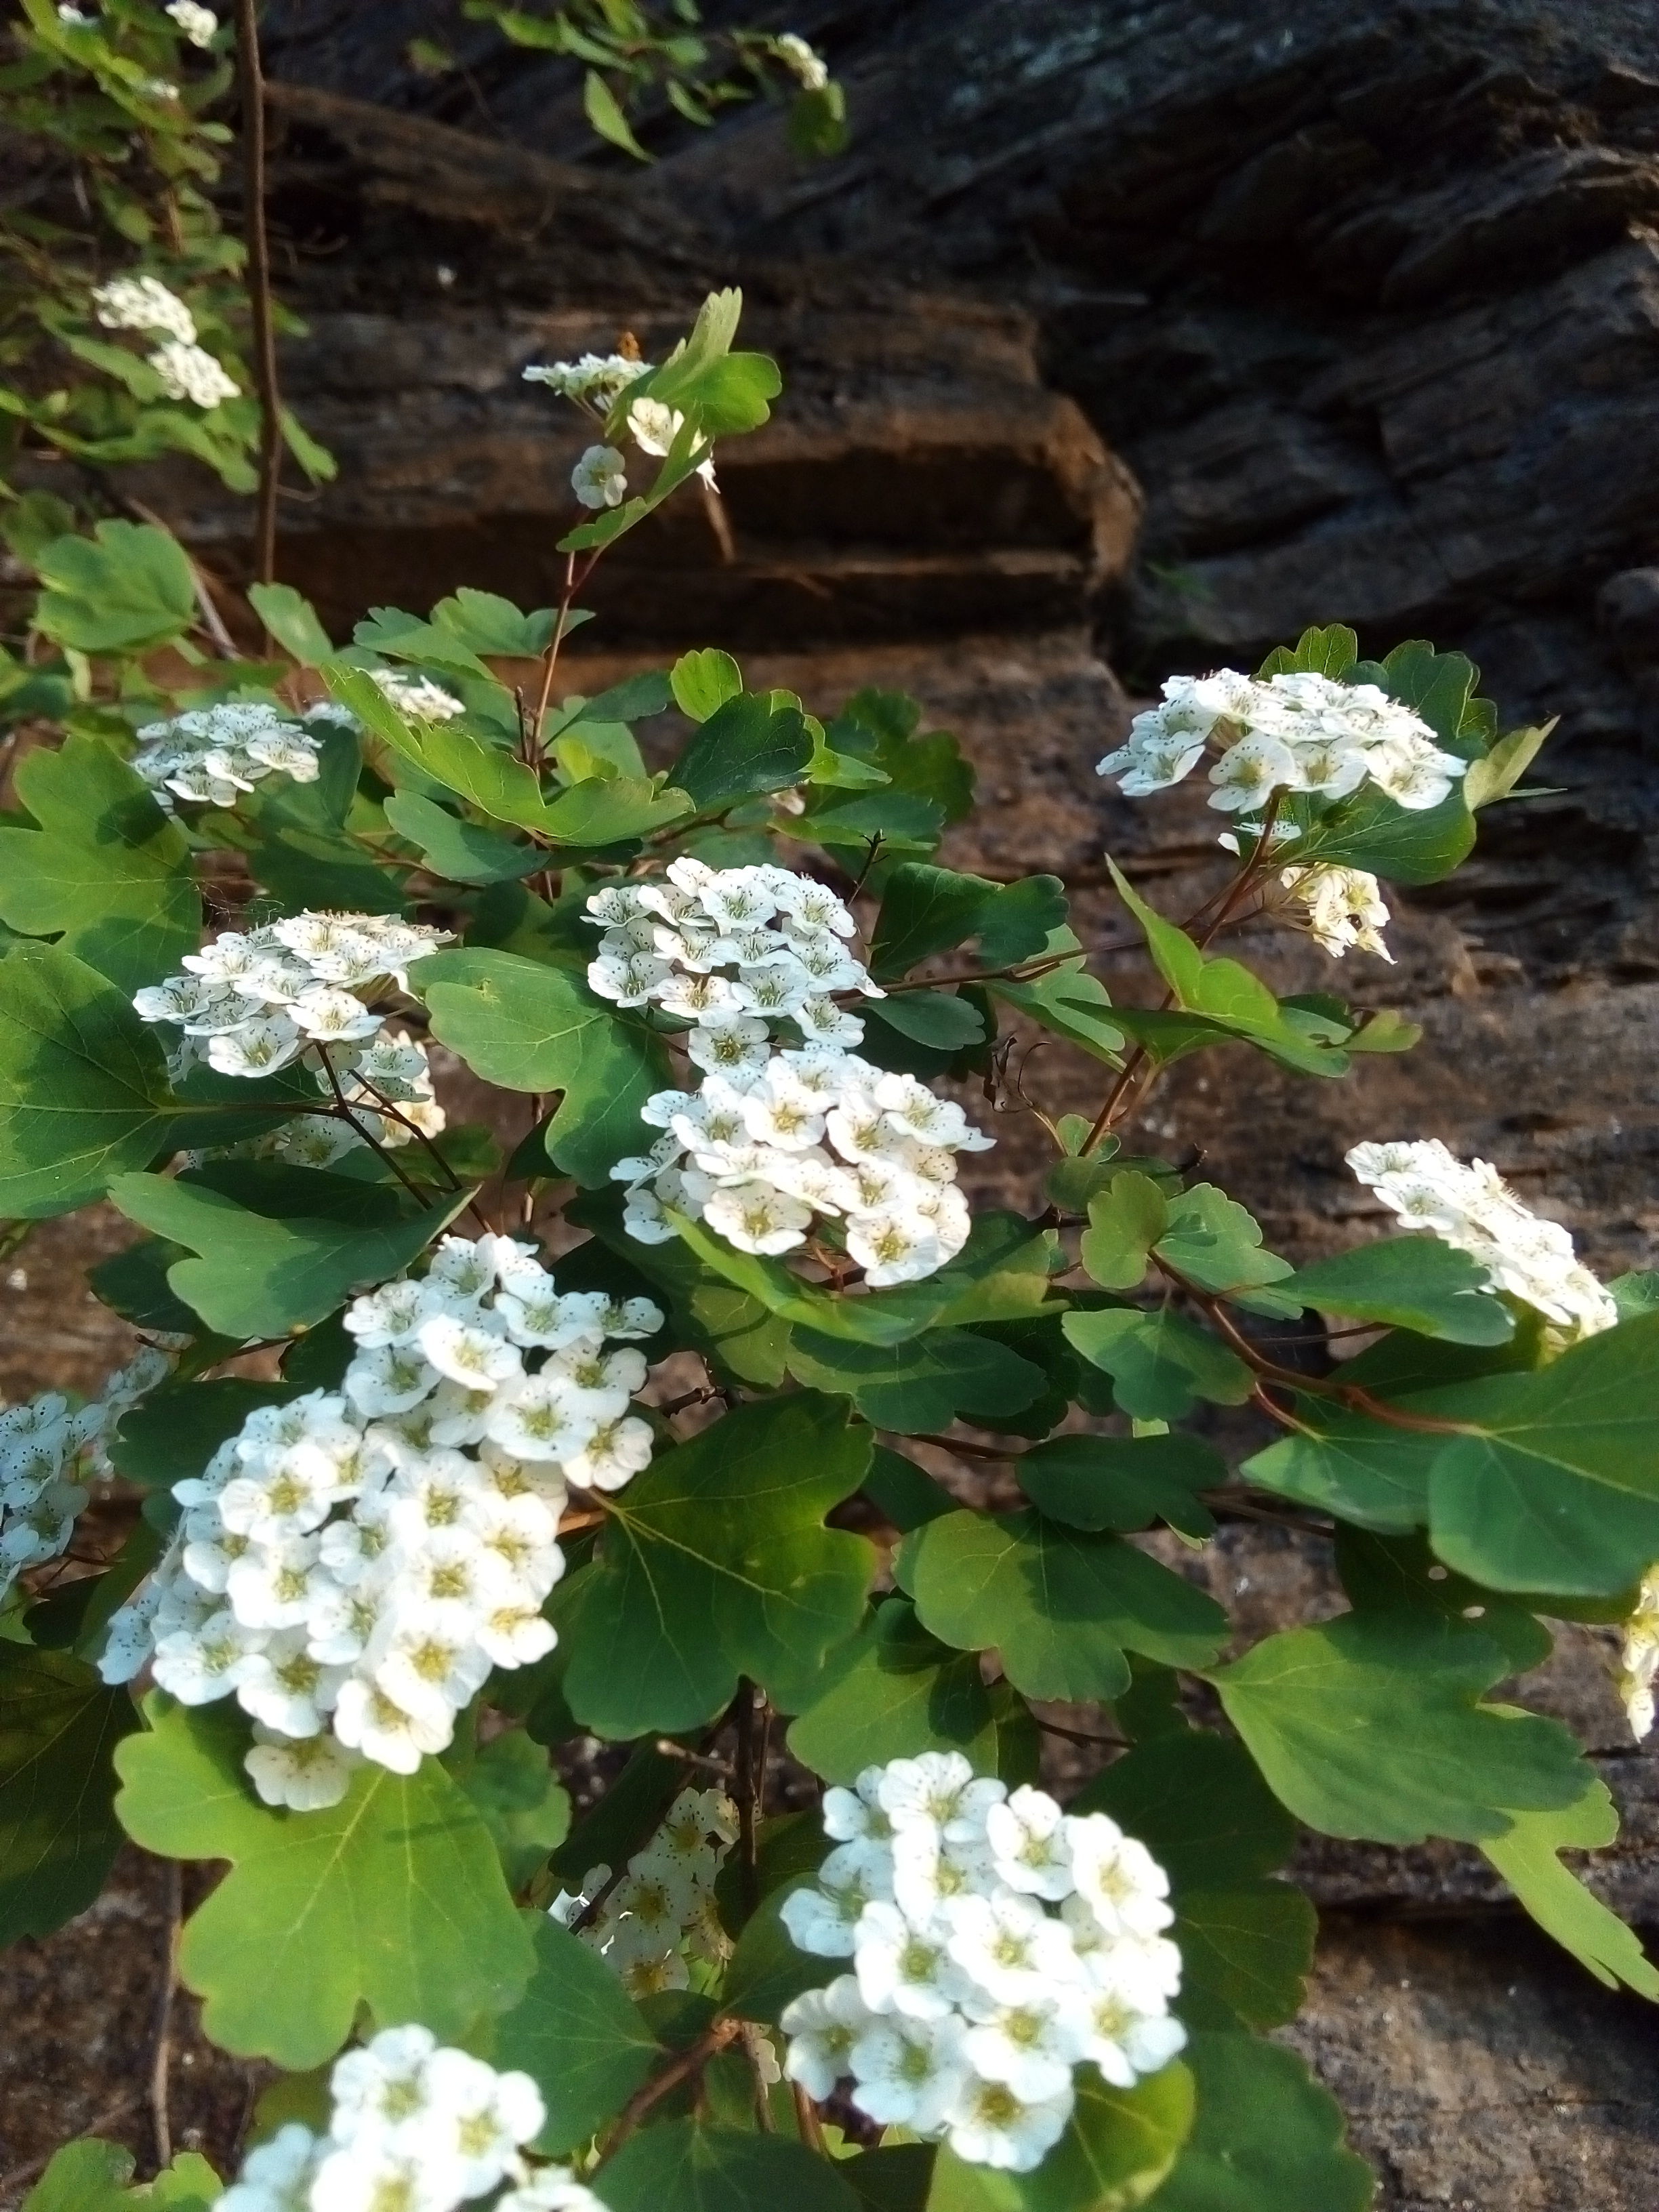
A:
197, 23
1029, 1842
910, 2073
600, 479
191, 372
990, 2125
807, 66
901, 1968
823, 2025
306, 1774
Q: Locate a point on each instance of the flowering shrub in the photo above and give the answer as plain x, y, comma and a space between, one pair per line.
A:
462, 1448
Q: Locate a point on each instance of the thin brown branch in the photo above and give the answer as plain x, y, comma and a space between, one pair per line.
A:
160, 2062
690, 2061
258, 289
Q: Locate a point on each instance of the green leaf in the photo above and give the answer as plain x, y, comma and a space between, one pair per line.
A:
459, 850
1268, 2138
1123, 1483
292, 621
894, 1693
1120, 2144
1383, 1573
1246, 1951
170, 1436
1061, 1606
134, 1284
527, 1026
106, 872
1527, 1860
485, 622
611, 810
681, 2166
1070, 1002
1215, 1242
392, 1898
524, 1806
1199, 1803
578, 2035
1406, 1282
905, 1494
1223, 993
1349, 1465
1330, 653
1159, 1362
937, 1019
714, 1563
1353, 1751
1556, 1487
747, 745
1125, 1221
600, 106
1496, 774
926, 1383
88, 2176
127, 588
279, 1247
925, 909
83, 1086
703, 681
59, 1726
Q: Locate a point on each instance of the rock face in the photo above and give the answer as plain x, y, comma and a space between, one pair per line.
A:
1147, 333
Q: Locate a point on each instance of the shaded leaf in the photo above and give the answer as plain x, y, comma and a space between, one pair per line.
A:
59, 1726
392, 1898
578, 2035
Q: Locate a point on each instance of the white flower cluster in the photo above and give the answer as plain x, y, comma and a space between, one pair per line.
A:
213, 754
663, 1908
249, 1003
415, 2127
969, 2004
197, 23
1344, 907
1639, 1666
48, 1453
774, 1136
596, 381
803, 63
1473, 1209
418, 696
351, 1565
1299, 733
187, 370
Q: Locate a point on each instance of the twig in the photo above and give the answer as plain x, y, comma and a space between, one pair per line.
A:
258, 289
745, 1789
811, 2128
160, 2064
1081, 1736
692, 2060
967, 1451
669, 1749
373, 1143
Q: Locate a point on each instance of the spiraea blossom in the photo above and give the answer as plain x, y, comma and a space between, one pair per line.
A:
418, 696
1343, 909
350, 1565
661, 1915
1638, 1660
197, 23
600, 478
597, 381
49, 1452
1297, 733
803, 63
415, 2127
777, 1135
212, 755
996, 1944
144, 303
191, 372
252, 1002
1473, 1209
